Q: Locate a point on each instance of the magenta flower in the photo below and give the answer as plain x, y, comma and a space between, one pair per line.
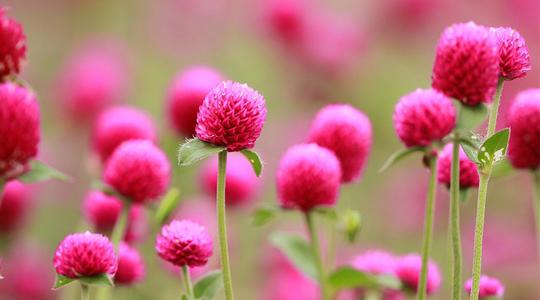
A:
408, 271
12, 45
514, 60
423, 117
466, 63
347, 132
85, 255
119, 124
130, 266
468, 171
14, 206
184, 243
286, 19
138, 170
101, 210
524, 120
187, 93
308, 176
232, 115
375, 262
489, 287
19, 129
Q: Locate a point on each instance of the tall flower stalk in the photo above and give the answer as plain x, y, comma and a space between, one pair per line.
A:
457, 256
317, 255
222, 226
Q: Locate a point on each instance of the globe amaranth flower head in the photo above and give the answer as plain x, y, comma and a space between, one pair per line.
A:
232, 115
130, 266
138, 170
514, 60
408, 270
119, 124
375, 262
467, 63
187, 93
19, 129
347, 132
524, 121
12, 45
489, 287
85, 255
468, 171
423, 117
308, 176
15, 202
184, 243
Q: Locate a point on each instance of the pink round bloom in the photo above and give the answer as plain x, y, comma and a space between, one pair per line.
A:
101, 210
12, 45
423, 117
19, 129
286, 19
119, 124
242, 183
514, 60
466, 63
524, 120
138, 170
85, 255
130, 266
489, 287
14, 206
232, 115
375, 262
347, 132
308, 176
184, 243
187, 93
408, 270
468, 171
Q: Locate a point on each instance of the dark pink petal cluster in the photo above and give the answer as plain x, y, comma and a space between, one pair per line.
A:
347, 132
286, 19
12, 45
232, 115
101, 210
468, 171
308, 176
14, 206
524, 120
130, 266
19, 129
184, 243
467, 63
138, 170
85, 255
408, 270
187, 93
423, 117
489, 287
514, 60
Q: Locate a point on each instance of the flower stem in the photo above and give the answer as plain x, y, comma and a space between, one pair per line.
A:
536, 183
317, 255
222, 224
120, 226
457, 256
428, 227
187, 282
85, 292
492, 122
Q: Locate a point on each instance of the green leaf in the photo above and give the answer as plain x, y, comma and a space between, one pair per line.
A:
264, 215
99, 280
494, 148
255, 161
167, 205
208, 286
389, 282
194, 150
327, 211
470, 117
351, 223
502, 169
39, 171
297, 250
349, 277
399, 155
62, 281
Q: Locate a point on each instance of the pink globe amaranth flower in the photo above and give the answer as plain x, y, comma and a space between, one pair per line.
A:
187, 93
524, 120
138, 170
19, 129
242, 183
290, 285
119, 124
423, 117
130, 266
347, 132
489, 287
184, 243
232, 115
408, 270
286, 19
514, 60
308, 176
101, 210
85, 255
14, 206
466, 63
468, 171
12, 45
376, 262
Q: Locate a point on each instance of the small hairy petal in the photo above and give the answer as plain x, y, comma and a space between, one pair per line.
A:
130, 266
468, 171
12, 45
514, 60
14, 205
524, 120
408, 270
489, 287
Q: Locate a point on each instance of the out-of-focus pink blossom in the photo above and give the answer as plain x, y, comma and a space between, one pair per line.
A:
468, 171
489, 287
15, 204
408, 270
12, 45
524, 120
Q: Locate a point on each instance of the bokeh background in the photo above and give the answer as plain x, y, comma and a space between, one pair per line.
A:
367, 53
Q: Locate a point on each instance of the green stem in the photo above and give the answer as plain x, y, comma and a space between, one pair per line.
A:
536, 183
222, 226
85, 292
317, 255
187, 282
492, 122
120, 226
428, 227
457, 256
